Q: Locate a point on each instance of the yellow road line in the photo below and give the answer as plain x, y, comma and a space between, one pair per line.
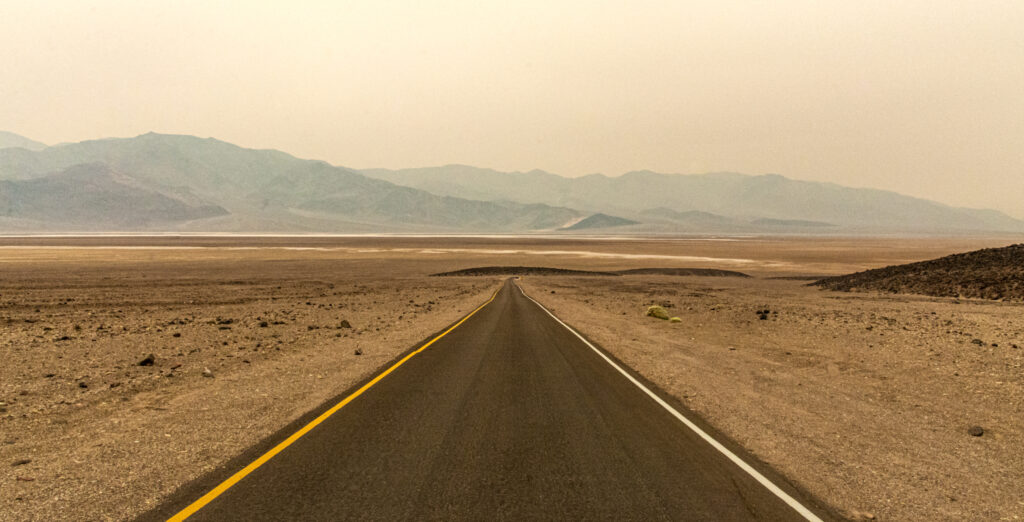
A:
231, 481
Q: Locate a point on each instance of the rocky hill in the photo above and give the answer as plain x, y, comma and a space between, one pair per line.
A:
600, 221
993, 273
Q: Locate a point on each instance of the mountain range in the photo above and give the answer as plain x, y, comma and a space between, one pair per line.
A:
714, 202
158, 182
184, 183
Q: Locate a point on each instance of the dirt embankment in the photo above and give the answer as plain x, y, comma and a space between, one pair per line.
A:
993, 273
548, 271
871, 403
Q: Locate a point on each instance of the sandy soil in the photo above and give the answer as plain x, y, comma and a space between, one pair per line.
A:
864, 400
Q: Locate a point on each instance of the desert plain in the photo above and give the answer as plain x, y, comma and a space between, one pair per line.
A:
134, 365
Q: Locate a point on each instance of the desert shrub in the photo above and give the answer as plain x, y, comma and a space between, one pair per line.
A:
657, 311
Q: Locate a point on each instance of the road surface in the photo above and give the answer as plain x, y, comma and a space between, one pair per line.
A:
509, 416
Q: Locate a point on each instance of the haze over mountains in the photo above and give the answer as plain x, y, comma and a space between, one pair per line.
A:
715, 202
157, 182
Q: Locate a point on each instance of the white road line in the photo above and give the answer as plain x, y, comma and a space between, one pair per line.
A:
792, 502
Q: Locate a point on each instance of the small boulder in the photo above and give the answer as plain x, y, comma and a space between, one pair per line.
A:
675, 320
359, 351
344, 324
21, 462
148, 360
976, 431
207, 373
657, 312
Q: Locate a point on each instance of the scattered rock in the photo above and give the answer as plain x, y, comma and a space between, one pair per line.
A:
83, 385
976, 431
344, 324
358, 351
978, 342
207, 373
675, 320
863, 515
264, 324
148, 360
21, 462
176, 334
658, 312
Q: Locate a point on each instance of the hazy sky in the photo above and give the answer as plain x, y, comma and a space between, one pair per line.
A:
924, 97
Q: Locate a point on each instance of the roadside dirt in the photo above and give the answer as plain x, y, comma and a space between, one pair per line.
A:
864, 400
94, 429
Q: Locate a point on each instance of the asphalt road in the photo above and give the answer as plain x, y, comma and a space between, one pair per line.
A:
510, 416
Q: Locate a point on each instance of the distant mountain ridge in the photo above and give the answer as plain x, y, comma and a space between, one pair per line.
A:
160, 182
719, 202
11, 140
257, 190
80, 196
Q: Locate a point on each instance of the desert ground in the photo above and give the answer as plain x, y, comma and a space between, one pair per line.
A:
863, 400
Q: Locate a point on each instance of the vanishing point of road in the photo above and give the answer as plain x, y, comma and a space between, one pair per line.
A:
507, 415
